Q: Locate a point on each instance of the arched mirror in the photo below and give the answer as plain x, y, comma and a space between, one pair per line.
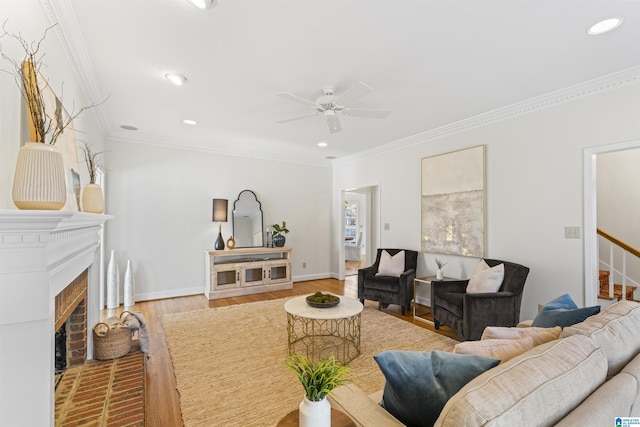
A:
247, 220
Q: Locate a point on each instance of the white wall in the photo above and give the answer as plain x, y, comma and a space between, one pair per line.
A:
161, 200
534, 167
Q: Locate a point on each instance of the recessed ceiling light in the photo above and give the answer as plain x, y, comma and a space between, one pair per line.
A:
127, 127
322, 144
189, 122
203, 4
604, 26
176, 79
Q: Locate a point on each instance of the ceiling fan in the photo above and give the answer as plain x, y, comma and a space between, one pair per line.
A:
332, 106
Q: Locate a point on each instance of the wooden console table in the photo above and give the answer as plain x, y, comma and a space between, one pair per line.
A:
244, 271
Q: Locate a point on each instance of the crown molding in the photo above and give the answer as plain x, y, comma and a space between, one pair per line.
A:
70, 37
596, 86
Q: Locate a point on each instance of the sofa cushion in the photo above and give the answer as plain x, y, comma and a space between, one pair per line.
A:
563, 302
503, 349
615, 329
540, 386
563, 317
418, 384
391, 265
485, 278
539, 335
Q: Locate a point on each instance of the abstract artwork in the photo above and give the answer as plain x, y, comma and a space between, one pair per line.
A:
453, 203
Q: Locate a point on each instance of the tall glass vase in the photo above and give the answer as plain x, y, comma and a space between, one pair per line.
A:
113, 282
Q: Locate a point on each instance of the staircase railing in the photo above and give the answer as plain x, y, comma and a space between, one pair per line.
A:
626, 249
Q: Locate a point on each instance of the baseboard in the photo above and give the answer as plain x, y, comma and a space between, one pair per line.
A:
423, 301
174, 293
313, 277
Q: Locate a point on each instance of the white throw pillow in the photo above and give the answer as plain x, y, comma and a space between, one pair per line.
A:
485, 278
391, 265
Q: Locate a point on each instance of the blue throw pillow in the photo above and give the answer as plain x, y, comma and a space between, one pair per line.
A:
564, 302
418, 384
563, 317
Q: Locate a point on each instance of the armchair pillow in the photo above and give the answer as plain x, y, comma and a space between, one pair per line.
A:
418, 384
392, 266
485, 278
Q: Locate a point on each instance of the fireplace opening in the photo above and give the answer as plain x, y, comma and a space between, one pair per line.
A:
70, 346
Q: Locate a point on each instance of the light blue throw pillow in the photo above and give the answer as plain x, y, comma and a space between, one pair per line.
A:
562, 312
563, 318
564, 302
418, 384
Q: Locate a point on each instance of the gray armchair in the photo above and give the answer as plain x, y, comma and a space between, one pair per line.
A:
385, 289
468, 314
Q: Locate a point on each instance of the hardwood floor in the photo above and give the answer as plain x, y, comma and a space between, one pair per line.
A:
162, 399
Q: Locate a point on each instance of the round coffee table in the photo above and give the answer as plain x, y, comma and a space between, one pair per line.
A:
321, 332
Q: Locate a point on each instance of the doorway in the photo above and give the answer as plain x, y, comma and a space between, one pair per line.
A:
359, 229
591, 250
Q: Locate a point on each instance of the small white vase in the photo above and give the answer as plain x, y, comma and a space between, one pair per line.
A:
315, 414
113, 282
439, 274
39, 181
92, 200
129, 286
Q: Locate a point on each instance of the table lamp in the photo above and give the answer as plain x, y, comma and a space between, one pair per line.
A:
219, 215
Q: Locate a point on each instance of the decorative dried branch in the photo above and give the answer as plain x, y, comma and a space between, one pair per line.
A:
31, 82
440, 264
91, 159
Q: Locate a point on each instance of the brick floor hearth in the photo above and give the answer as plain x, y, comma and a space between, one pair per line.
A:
102, 393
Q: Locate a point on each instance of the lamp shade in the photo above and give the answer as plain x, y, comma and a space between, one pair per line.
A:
220, 210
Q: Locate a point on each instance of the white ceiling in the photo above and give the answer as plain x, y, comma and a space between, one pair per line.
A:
431, 63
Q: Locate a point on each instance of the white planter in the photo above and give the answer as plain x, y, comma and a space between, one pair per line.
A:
113, 282
129, 286
92, 199
39, 181
439, 274
315, 414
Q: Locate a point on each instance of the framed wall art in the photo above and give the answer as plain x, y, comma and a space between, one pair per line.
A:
453, 203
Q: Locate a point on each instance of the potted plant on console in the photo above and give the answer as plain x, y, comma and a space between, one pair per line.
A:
279, 230
318, 379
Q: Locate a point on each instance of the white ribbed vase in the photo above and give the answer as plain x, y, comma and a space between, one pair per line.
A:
39, 179
314, 414
92, 200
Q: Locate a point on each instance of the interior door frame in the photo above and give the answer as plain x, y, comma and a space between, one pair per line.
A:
591, 262
372, 223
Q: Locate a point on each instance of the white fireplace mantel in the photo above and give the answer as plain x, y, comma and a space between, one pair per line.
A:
41, 252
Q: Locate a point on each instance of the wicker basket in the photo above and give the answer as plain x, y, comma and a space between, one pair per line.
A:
111, 341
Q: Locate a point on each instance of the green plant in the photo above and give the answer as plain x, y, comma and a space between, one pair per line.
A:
320, 378
280, 229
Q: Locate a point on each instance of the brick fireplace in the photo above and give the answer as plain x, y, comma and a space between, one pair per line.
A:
71, 316
50, 272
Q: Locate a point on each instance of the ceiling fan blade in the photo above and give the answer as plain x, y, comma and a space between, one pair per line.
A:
356, 92
334, 124
296, 118
372, 114
295, 98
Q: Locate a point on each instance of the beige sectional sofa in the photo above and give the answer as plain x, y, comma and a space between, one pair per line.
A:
589, 376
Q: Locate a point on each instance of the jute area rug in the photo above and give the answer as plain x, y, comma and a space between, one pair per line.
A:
229, 367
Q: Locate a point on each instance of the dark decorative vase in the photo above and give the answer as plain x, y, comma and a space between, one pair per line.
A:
278, 241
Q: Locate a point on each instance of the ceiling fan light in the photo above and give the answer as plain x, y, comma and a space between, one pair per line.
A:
176, 79
604, 26
203, 4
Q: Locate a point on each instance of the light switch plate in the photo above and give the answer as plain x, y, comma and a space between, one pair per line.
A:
572, 232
